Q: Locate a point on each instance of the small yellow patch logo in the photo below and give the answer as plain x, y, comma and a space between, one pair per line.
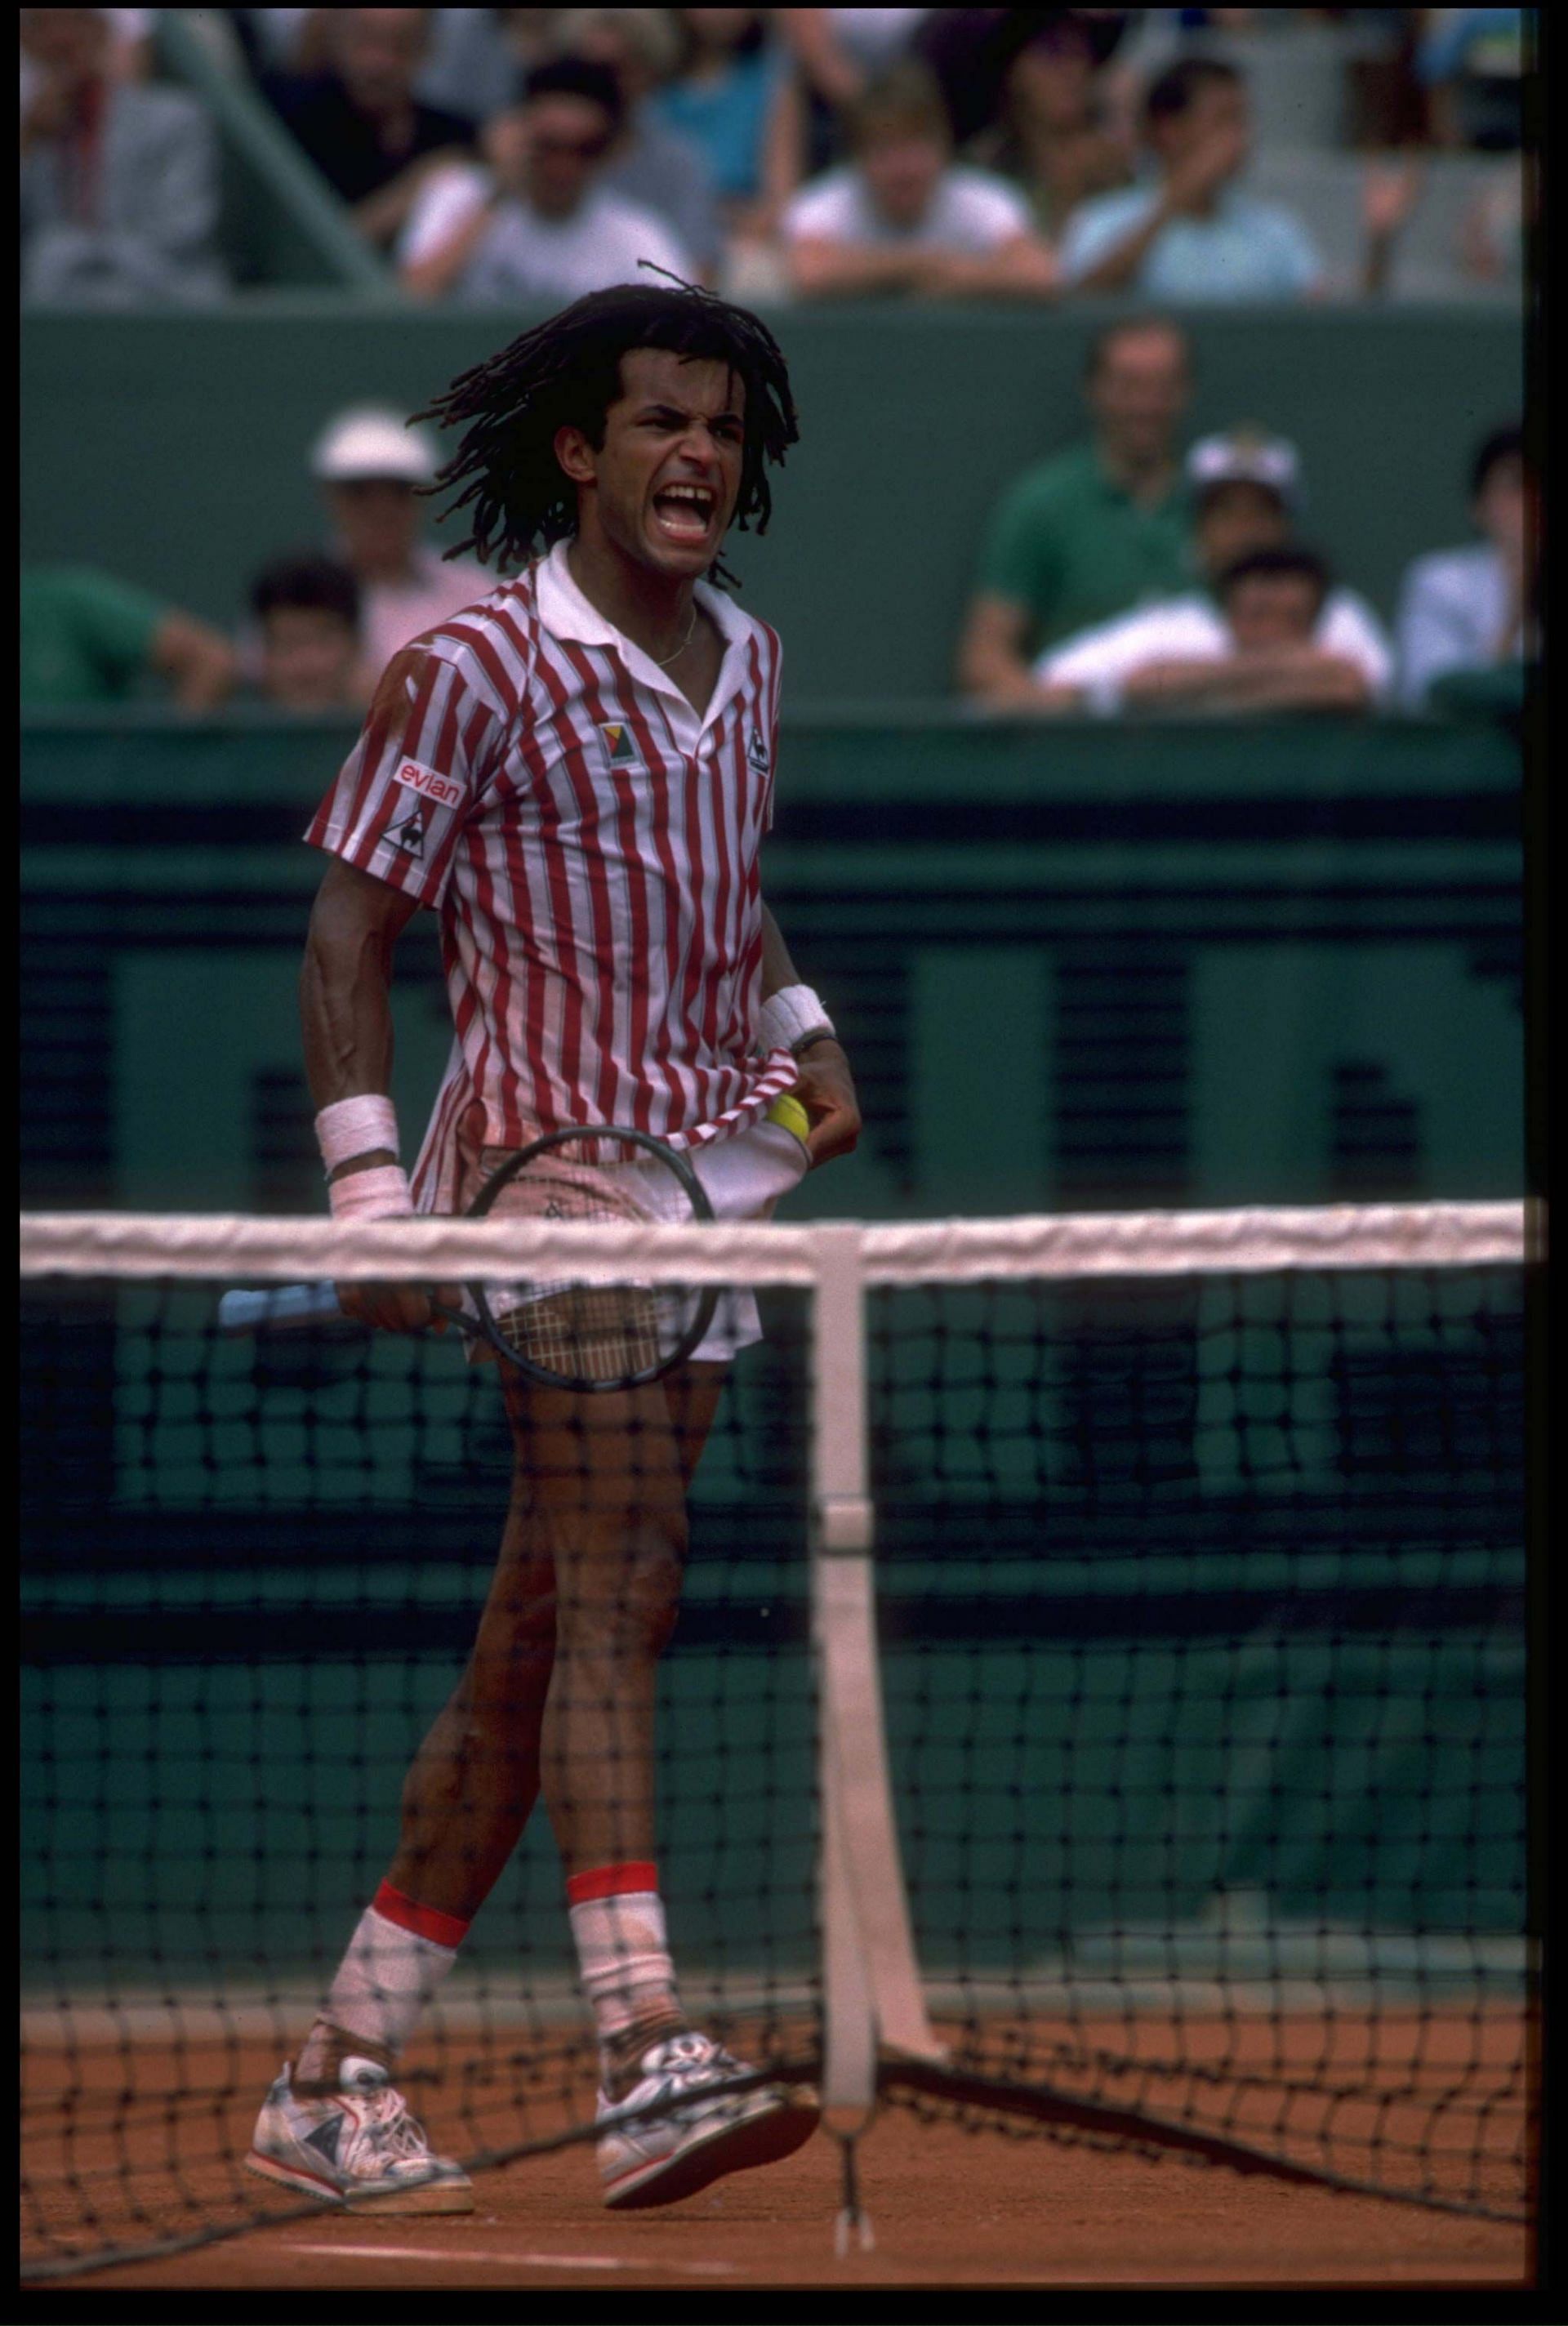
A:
617, 738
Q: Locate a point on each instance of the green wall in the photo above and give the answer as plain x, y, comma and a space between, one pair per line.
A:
1184, 964
172, 452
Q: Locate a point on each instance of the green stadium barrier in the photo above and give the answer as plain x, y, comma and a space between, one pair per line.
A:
174, 452
1172, 964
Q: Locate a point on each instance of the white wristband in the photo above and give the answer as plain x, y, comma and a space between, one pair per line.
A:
382, 1193
1103, 697
792, 1016
356, 1126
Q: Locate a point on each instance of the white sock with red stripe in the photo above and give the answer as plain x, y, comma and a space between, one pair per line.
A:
618, 1919
398, 1957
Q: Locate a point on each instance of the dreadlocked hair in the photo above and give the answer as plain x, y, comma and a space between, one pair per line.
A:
566, 374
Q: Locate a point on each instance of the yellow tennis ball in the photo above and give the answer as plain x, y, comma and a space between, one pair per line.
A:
791, 1116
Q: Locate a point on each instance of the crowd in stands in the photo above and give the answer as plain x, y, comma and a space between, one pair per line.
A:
521, 157
1123, 575
119, 195
1126, 574
496, 154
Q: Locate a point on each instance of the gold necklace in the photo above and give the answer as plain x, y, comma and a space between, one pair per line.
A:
664, 662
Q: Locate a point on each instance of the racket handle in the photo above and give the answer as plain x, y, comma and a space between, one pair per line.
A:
287, 1307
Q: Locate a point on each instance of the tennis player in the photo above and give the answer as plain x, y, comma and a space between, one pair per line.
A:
577, 774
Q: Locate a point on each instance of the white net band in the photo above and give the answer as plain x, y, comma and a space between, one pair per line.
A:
1063, 1247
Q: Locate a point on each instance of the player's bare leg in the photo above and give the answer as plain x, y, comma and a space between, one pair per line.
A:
597, 1520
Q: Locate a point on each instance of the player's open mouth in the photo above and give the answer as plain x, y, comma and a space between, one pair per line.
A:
685, 512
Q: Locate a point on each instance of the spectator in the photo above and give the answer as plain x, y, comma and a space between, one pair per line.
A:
120, 180
1474, 610
538, 223
359, 120
1194, 233
1245, 490
1054, 137
903, 216
1295, 62
307, 614
131, 40
653, 166
86, 638
839, 53
846, 49
370, 468
1094, 530
736, 97
1385, 107
475, 58
1472, 62
1496, 226
1266, 643
973, 53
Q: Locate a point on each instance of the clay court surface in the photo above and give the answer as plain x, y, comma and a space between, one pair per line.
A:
949, 2206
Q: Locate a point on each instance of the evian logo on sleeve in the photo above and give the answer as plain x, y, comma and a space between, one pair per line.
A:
441, 791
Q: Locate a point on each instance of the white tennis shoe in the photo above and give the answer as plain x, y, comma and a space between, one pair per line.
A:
712, 2131
358, 2146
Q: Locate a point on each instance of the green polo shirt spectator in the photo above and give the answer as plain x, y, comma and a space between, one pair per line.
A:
1073, 546
86, 638
1095, 531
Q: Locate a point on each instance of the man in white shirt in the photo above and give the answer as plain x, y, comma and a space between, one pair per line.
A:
903, 216
538, 224
1467, 610
370, 468
1187, 652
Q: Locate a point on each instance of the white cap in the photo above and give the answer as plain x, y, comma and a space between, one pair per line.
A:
1245, 456
372, 443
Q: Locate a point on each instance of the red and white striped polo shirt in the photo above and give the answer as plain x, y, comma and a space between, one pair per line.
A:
591, 841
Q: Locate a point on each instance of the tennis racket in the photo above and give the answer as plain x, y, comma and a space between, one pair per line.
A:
564, 1333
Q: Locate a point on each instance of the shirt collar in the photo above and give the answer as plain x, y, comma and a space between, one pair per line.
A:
566, 613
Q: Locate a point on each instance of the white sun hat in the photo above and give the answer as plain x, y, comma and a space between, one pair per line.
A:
369, 441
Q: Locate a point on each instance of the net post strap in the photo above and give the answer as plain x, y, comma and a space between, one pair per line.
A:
873, 1991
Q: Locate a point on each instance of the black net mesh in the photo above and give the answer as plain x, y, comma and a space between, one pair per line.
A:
1203, 1603
252, 1570
1201, 1637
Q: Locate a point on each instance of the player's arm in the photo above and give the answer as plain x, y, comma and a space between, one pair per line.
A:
826, 1087
345, 1015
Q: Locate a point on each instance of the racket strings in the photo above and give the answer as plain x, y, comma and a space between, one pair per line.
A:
590, 1331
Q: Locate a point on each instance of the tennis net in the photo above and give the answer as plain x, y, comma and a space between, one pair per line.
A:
1168, 1791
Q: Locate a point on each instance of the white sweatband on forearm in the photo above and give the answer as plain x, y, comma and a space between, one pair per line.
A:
382, 1193
792, 1016
351, 1127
